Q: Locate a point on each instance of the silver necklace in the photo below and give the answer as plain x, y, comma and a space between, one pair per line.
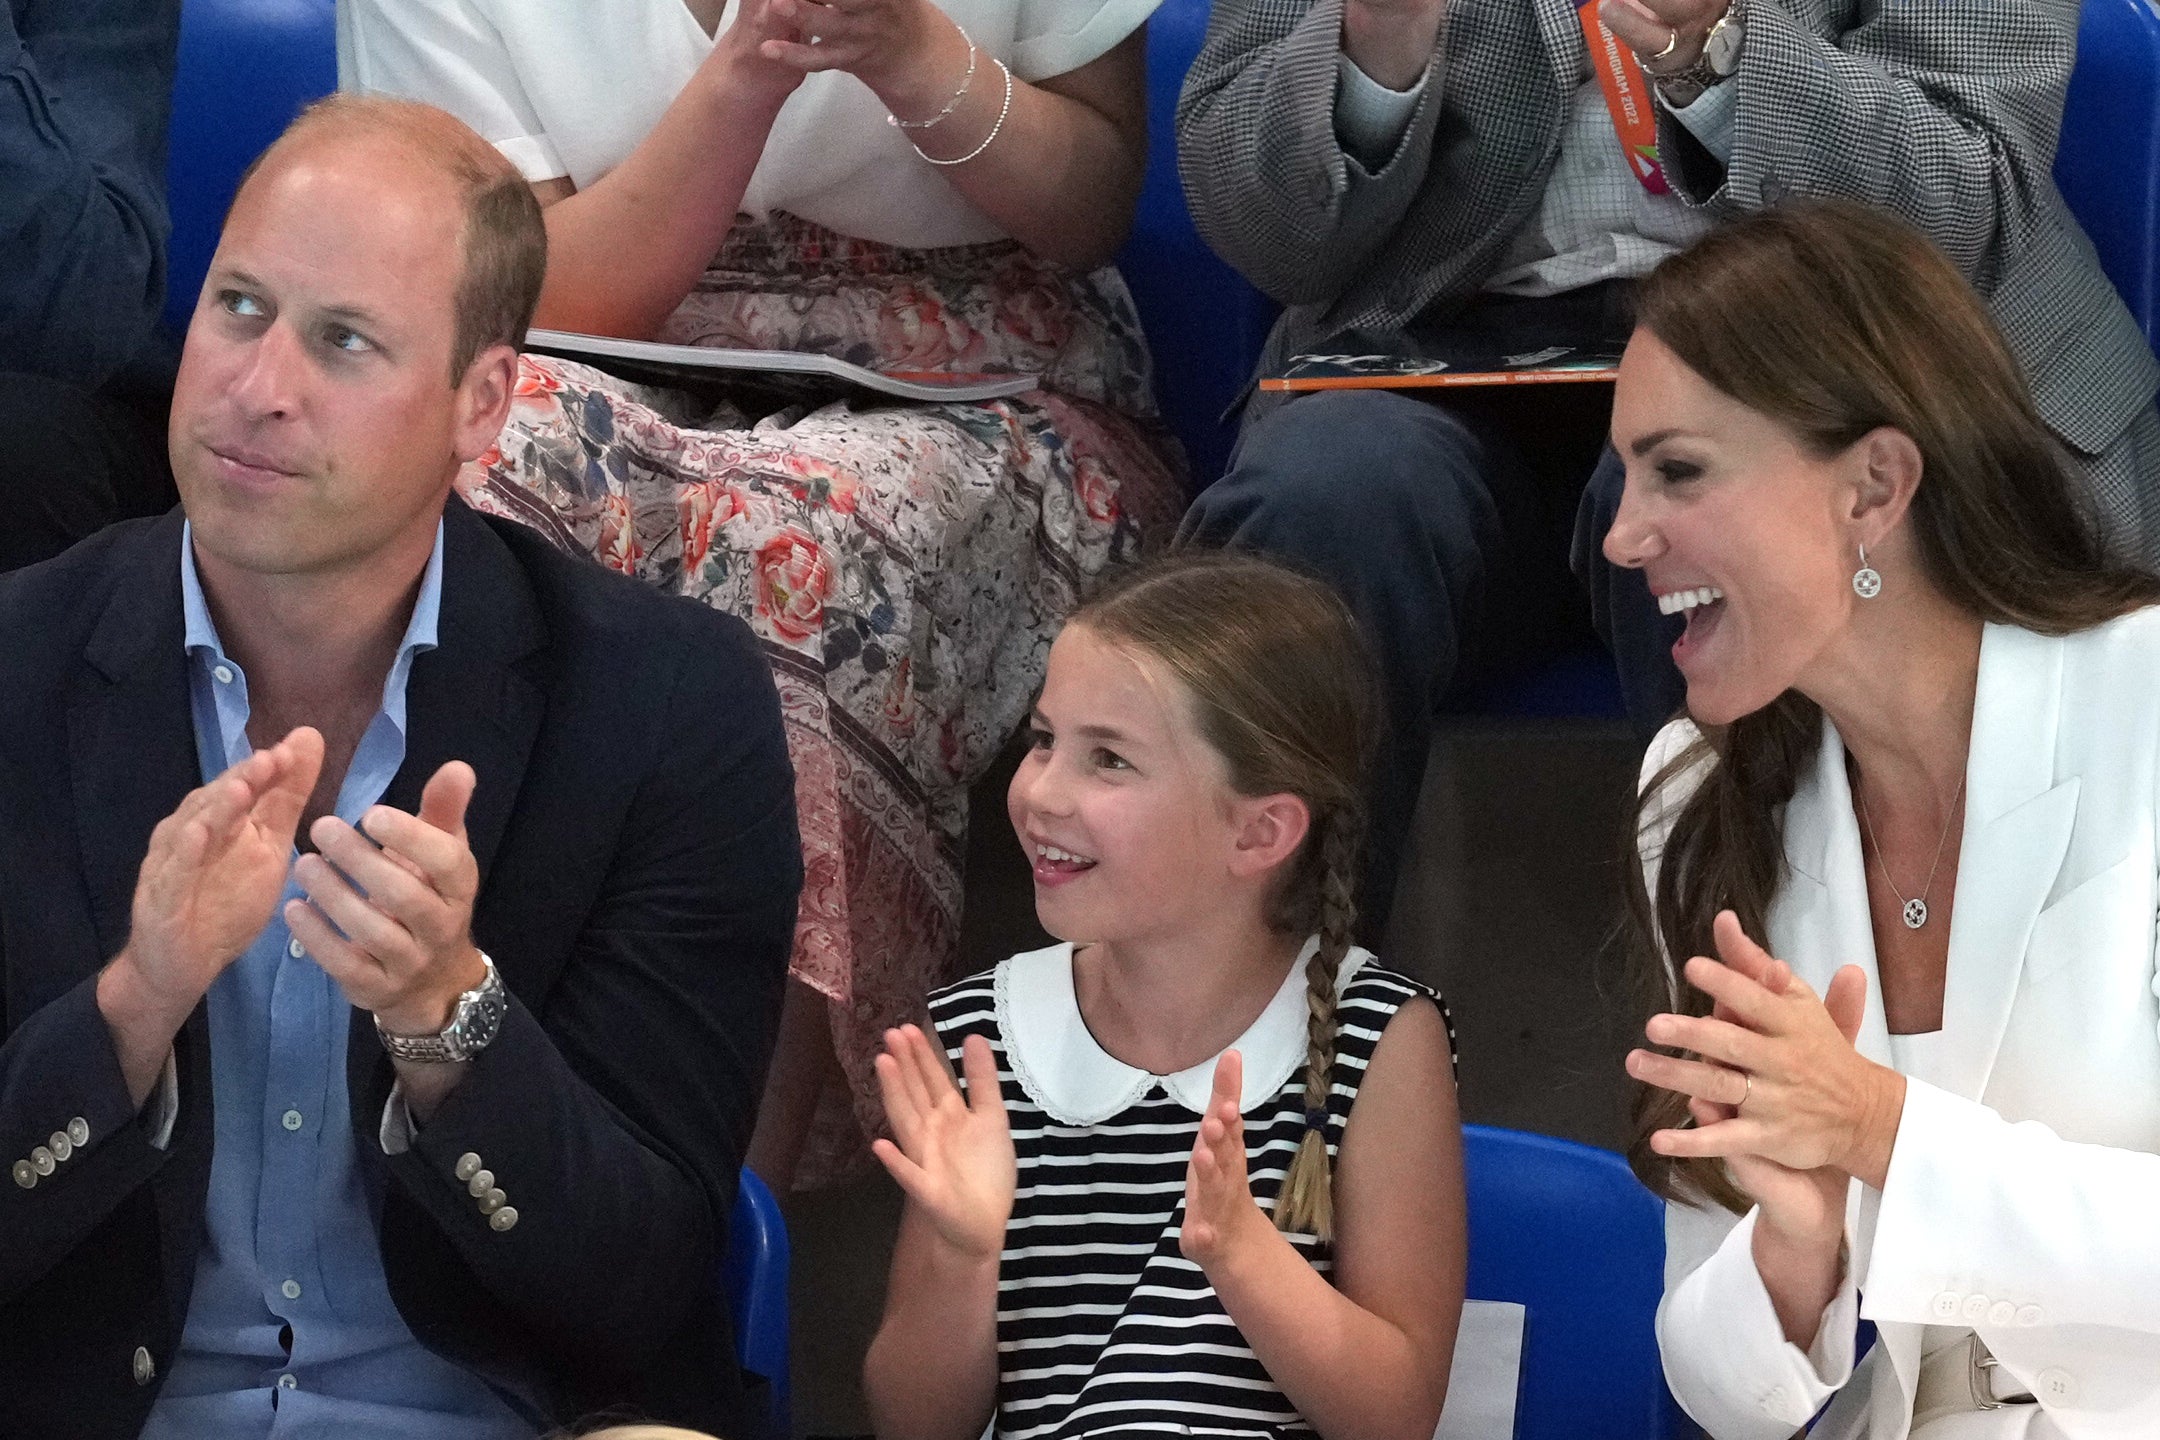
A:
1916, 910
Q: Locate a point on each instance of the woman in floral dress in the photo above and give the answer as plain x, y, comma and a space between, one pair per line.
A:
909, 185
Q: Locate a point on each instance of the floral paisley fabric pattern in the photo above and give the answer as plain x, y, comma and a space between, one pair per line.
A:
904, 566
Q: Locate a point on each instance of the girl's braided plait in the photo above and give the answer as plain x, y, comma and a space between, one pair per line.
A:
1307, 1202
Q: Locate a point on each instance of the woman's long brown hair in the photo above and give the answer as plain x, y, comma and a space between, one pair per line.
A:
1836, 320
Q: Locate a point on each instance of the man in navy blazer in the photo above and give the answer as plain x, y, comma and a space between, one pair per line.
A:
435, 1128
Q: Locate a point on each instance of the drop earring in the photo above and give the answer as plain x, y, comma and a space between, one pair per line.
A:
1867, 580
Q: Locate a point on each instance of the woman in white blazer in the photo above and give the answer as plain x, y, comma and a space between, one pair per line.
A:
1919, 767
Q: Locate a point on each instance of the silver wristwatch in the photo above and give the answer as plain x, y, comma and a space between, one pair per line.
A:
1719, 59
473, 1025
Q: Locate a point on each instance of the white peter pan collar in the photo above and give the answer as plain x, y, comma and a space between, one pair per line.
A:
1076, 1082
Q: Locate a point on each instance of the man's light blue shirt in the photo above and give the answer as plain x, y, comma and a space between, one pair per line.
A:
291, 1331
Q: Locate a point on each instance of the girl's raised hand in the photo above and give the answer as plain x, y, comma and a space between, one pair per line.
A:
955, 1155
1220, 1214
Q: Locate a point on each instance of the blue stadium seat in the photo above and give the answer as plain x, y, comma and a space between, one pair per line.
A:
754, 1276
246, 68
1565, 1231
1205, 322
2108, 163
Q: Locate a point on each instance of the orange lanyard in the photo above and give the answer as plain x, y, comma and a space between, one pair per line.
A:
1627, 96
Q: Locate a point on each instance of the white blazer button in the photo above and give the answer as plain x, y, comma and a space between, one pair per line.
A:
2002, 1313
79, 1131
25, 1174
492, 1201
60, 1145
1946, 1305
41, 1160
1975, 1309
145, 1367
504, 1218
2030, 1315
479, 1183
468, 1165
2055, 1386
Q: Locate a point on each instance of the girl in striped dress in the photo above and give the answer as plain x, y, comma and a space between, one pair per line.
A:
1205, 1177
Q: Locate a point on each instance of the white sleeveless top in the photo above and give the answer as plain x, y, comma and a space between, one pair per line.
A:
1104, 1327
569, 88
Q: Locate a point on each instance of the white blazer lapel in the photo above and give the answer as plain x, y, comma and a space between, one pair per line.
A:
2017, 829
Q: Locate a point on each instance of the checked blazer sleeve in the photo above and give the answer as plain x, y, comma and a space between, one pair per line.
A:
1270, 186
1945, 112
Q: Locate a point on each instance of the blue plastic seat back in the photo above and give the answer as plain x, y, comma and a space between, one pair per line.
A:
246, 68
1566, 1231
1205, 322
2108, 163
754, 1276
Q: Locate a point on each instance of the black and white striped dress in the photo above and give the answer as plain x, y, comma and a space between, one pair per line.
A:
1103, 1327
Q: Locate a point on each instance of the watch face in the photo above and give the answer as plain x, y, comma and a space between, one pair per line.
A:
1722, 49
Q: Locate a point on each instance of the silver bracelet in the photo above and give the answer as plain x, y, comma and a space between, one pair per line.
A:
1003, 111
958, 95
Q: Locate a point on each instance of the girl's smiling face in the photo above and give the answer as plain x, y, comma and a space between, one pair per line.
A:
1125, 812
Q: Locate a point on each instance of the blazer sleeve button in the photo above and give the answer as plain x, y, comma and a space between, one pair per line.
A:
503, 1219
78, 1130
468, 1165
145, 1367
41, 1159
60, 1145
25, 1174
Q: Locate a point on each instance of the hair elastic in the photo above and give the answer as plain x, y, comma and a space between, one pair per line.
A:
1316, 1119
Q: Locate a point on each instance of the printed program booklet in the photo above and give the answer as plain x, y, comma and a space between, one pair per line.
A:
1346, 370
649, 360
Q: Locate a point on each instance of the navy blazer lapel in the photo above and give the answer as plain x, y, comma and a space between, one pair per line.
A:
467, 699
131, 728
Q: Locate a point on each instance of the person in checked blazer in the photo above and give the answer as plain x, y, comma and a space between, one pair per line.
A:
389, 961
1897, 864
1412, 174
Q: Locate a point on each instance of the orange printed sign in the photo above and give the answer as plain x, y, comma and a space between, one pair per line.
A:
1627, 96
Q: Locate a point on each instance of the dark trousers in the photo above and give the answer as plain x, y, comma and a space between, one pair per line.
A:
1445, 524
73, 461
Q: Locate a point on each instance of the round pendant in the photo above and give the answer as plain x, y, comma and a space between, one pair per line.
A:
1915, 914
1867, 582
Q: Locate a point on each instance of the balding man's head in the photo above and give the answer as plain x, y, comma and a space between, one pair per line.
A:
504, 238
377, 246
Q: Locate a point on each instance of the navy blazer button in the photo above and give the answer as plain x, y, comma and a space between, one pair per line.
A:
492, 1201
468, 1165
79, 1131
61, 1146
41, 1159
504, 1218
26, 1175
145, 1367
479, 1183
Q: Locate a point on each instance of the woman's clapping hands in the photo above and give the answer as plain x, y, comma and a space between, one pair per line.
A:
954, 1157
1779, 1076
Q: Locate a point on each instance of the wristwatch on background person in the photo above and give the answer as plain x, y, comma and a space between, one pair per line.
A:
473, 1025
1719, 59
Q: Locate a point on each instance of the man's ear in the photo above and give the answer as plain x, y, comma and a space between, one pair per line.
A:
483, 401
1888, 471
1268, 831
